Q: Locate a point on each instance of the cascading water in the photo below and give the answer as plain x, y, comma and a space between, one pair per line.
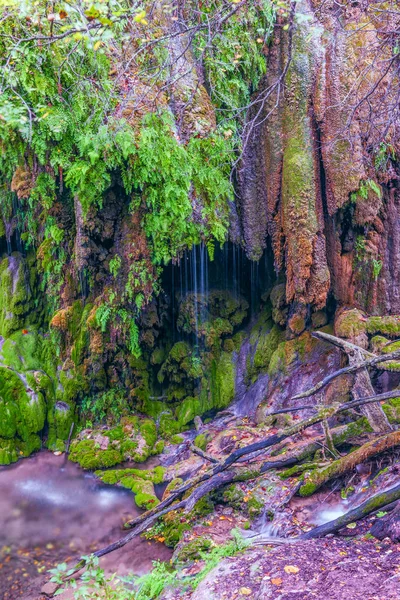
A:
230, 271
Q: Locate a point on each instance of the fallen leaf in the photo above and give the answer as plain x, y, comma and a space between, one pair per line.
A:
245, 591
276, 581
351, 525
291, 569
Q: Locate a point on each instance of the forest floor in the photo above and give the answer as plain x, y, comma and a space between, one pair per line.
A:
326, 569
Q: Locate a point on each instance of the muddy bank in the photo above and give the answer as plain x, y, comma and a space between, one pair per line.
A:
50, 512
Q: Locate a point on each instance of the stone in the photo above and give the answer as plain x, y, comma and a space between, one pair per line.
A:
49, 588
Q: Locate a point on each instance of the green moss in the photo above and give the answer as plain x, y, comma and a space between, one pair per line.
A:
168, 425
201, 441
177, 439
187, 410
132, 439
388, 325
140, 482
266, 345
233, 496
17, 308
350, 324
193, 550
308, 489
288, 352
392, 410
255, 507
174, 524
223, 381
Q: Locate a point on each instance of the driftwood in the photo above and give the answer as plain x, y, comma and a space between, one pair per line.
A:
205, 455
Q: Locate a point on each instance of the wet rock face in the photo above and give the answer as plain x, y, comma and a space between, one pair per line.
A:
312, 180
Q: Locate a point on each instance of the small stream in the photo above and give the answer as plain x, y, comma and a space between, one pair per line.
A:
50, 512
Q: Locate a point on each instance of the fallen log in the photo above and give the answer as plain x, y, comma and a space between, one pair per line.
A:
369, 506
347, 463
388, 526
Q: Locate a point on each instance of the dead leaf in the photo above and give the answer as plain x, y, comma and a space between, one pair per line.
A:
276, 581
245, 591
291, 569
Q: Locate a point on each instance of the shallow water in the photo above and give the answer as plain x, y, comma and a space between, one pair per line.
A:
50, 512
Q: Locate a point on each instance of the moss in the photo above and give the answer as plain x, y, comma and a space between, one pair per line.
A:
353, 429
387, 325
132, 439
307, 489
187, 410
140, 482
17, 283
174, 524
288, 352
319, 319
9, 452
255, 507
177, 439
201, 441
392, 410
266, 345
233, 496
223, 381
350, 324
168, 425
193, 550
8, 419
229, 345
89, 456
148, 430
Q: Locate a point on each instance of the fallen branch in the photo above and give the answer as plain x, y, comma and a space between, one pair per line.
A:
385, 500
376, 502
347, 463
340, 343
344, 371
205, 455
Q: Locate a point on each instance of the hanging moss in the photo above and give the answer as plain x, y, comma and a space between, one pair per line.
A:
267, 343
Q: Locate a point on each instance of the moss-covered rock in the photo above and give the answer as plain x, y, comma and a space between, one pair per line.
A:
211, 317
140, 482
132, 439
17, 286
